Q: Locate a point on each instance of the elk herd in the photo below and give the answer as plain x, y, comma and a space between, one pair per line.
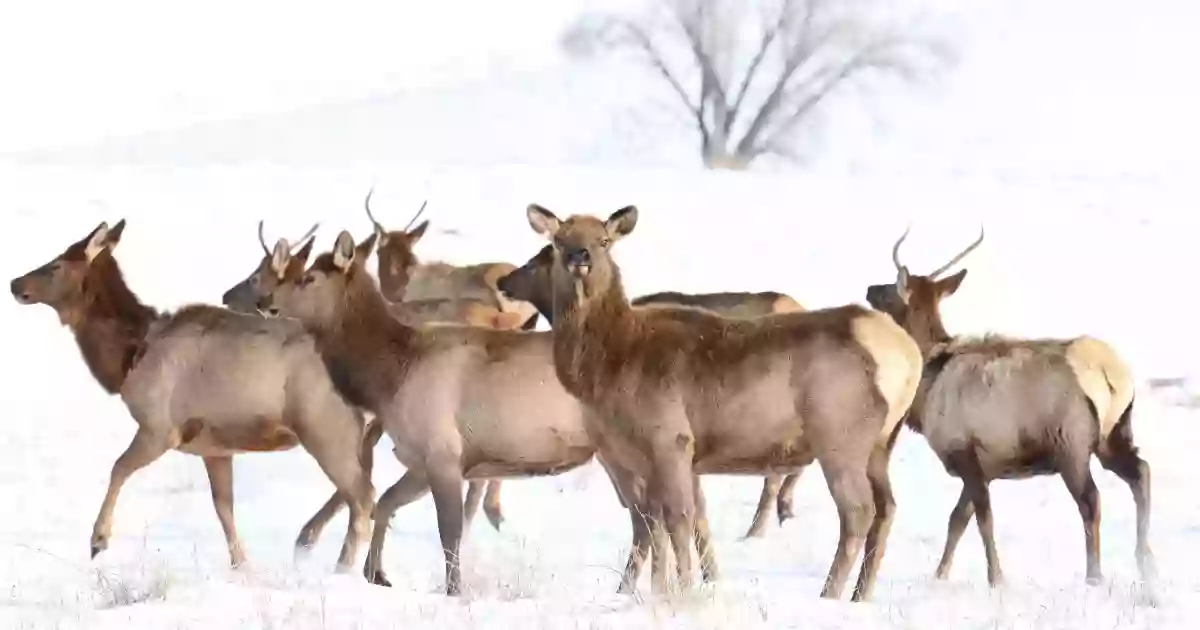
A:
659, 390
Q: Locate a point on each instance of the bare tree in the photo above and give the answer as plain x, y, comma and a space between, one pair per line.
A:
750, 72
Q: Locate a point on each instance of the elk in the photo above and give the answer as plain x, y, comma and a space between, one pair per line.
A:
531, 282
464, 294
459, 402
244, 297
201, 380
675, 391
998, 407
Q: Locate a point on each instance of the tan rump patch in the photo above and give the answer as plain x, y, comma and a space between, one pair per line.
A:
1104, 378
785, 304
898, 363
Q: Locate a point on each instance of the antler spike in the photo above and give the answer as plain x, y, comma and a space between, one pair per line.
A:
262, 241
417, 215
958, 257
367, 204
896, 247
312, 230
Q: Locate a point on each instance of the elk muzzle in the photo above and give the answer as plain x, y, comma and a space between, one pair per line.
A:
21, 291
579, 262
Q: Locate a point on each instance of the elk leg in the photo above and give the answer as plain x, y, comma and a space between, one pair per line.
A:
315, 525
339, 457
881, 525
770, 492
959, 517
783, 506
1083, 489
704, 547
471, 503
638, 551
982, 498
851, 493
491, 504
445, 480
673, 467
411, 486
1121, 458
220, 483
145, 448
660, 557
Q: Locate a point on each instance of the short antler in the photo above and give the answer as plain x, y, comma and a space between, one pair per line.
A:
417, 215
262, 241
367, 204
896, 248
963, 254
312, 230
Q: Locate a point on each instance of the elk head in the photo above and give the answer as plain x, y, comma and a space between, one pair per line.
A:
583, 266
532, 282
316, 296
395, 251
914, 301
244, 295
62, 282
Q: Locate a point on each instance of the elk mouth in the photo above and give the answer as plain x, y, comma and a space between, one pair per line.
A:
268, 311
20, 295
581, 270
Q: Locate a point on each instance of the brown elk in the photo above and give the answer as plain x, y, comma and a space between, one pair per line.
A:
997, 407
450, 293
202, 380
460, 402
531, 282
684, 391
244, 297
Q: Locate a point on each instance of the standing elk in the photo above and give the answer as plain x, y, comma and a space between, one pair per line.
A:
997, 407
676, 392
244, 297
531, 282
460, 402
472, 288
202, 380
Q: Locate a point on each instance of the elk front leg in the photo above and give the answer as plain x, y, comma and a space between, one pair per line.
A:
315, 525
957, 524
491, 504
704, 546
471, 503
673, 468
144, 449
445, 480
785, 498
220, 482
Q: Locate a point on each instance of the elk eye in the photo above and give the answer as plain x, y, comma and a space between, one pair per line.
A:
307, 280
604, 242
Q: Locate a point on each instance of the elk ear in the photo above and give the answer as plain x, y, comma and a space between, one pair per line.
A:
96, 241
621, 222
902, 284
344, 251
114, 235
364, 249
416, 233
947, 286
280, 257
305, 251
542, 220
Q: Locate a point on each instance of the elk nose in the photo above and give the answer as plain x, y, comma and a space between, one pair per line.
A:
579, 258
18, 292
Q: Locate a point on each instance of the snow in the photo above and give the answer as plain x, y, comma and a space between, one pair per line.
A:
1085, 197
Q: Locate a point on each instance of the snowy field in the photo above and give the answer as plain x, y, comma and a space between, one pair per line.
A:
1087, 196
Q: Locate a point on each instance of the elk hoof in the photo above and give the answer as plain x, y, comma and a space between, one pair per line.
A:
1094, 580
625, 588
453, 589
98, 544
379, 578
496, 520
785, 513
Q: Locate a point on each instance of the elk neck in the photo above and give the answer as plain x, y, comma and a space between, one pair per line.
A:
926, 328
593, 337
366, 350
109, 323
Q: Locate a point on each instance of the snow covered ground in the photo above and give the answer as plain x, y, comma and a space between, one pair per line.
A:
1084, 190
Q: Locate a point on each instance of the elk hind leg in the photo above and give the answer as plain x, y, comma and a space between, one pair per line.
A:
491, 504
784, 502
220, 483
1120, 456
770, 492
146, 447
851, 491
471, 503
881, 525
966, 462
704, 545
339, 458
1078, 478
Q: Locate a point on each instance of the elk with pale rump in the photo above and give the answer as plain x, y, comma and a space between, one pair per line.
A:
677, 391
997, 407
459, 402
202, 380
531, 282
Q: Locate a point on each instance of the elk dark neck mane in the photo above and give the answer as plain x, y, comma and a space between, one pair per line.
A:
365, 349
926, 329
109, 323
594, 339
